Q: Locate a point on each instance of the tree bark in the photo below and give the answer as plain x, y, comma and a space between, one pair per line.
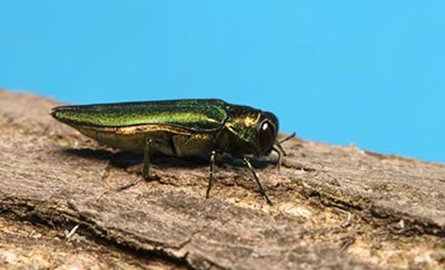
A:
334, 207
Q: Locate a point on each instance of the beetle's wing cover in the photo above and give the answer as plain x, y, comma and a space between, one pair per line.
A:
192, 114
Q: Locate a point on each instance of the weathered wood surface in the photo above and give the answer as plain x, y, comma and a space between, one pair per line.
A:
24, 245
334, 207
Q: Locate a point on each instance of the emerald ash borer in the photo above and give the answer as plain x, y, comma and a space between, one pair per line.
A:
180, 128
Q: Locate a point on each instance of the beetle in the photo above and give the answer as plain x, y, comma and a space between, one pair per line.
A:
179, 128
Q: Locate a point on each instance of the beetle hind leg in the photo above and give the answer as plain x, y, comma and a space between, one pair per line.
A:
212, 168
146, 170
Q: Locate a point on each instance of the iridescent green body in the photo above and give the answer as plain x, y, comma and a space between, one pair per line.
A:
182, 128
177, 127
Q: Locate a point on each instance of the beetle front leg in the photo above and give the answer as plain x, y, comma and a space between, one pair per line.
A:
280, 157
257, 179
212, 168
146, 170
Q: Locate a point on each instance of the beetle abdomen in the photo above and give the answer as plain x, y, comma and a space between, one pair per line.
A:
163, 141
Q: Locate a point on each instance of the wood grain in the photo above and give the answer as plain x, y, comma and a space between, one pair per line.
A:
334, 207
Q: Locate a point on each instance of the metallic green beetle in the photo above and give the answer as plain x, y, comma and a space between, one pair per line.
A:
180, 128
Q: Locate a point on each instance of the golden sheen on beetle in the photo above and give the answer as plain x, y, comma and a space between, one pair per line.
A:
180, 128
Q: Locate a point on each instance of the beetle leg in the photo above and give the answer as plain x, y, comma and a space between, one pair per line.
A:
146, 170
129, 185
212, 168
279, 143
257, 179
280, 157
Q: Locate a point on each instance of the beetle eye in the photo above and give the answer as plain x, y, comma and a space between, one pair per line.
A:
267, 136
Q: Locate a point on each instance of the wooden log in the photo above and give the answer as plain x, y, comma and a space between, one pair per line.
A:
334, 207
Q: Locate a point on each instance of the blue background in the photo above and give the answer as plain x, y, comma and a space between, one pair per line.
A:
363, 72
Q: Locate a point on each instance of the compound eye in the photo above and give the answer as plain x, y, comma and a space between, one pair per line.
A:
267, 136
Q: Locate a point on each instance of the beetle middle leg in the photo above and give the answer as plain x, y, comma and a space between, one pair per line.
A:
257, 179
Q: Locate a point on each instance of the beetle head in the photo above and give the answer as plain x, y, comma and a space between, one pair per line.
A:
251, 131
267, 131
